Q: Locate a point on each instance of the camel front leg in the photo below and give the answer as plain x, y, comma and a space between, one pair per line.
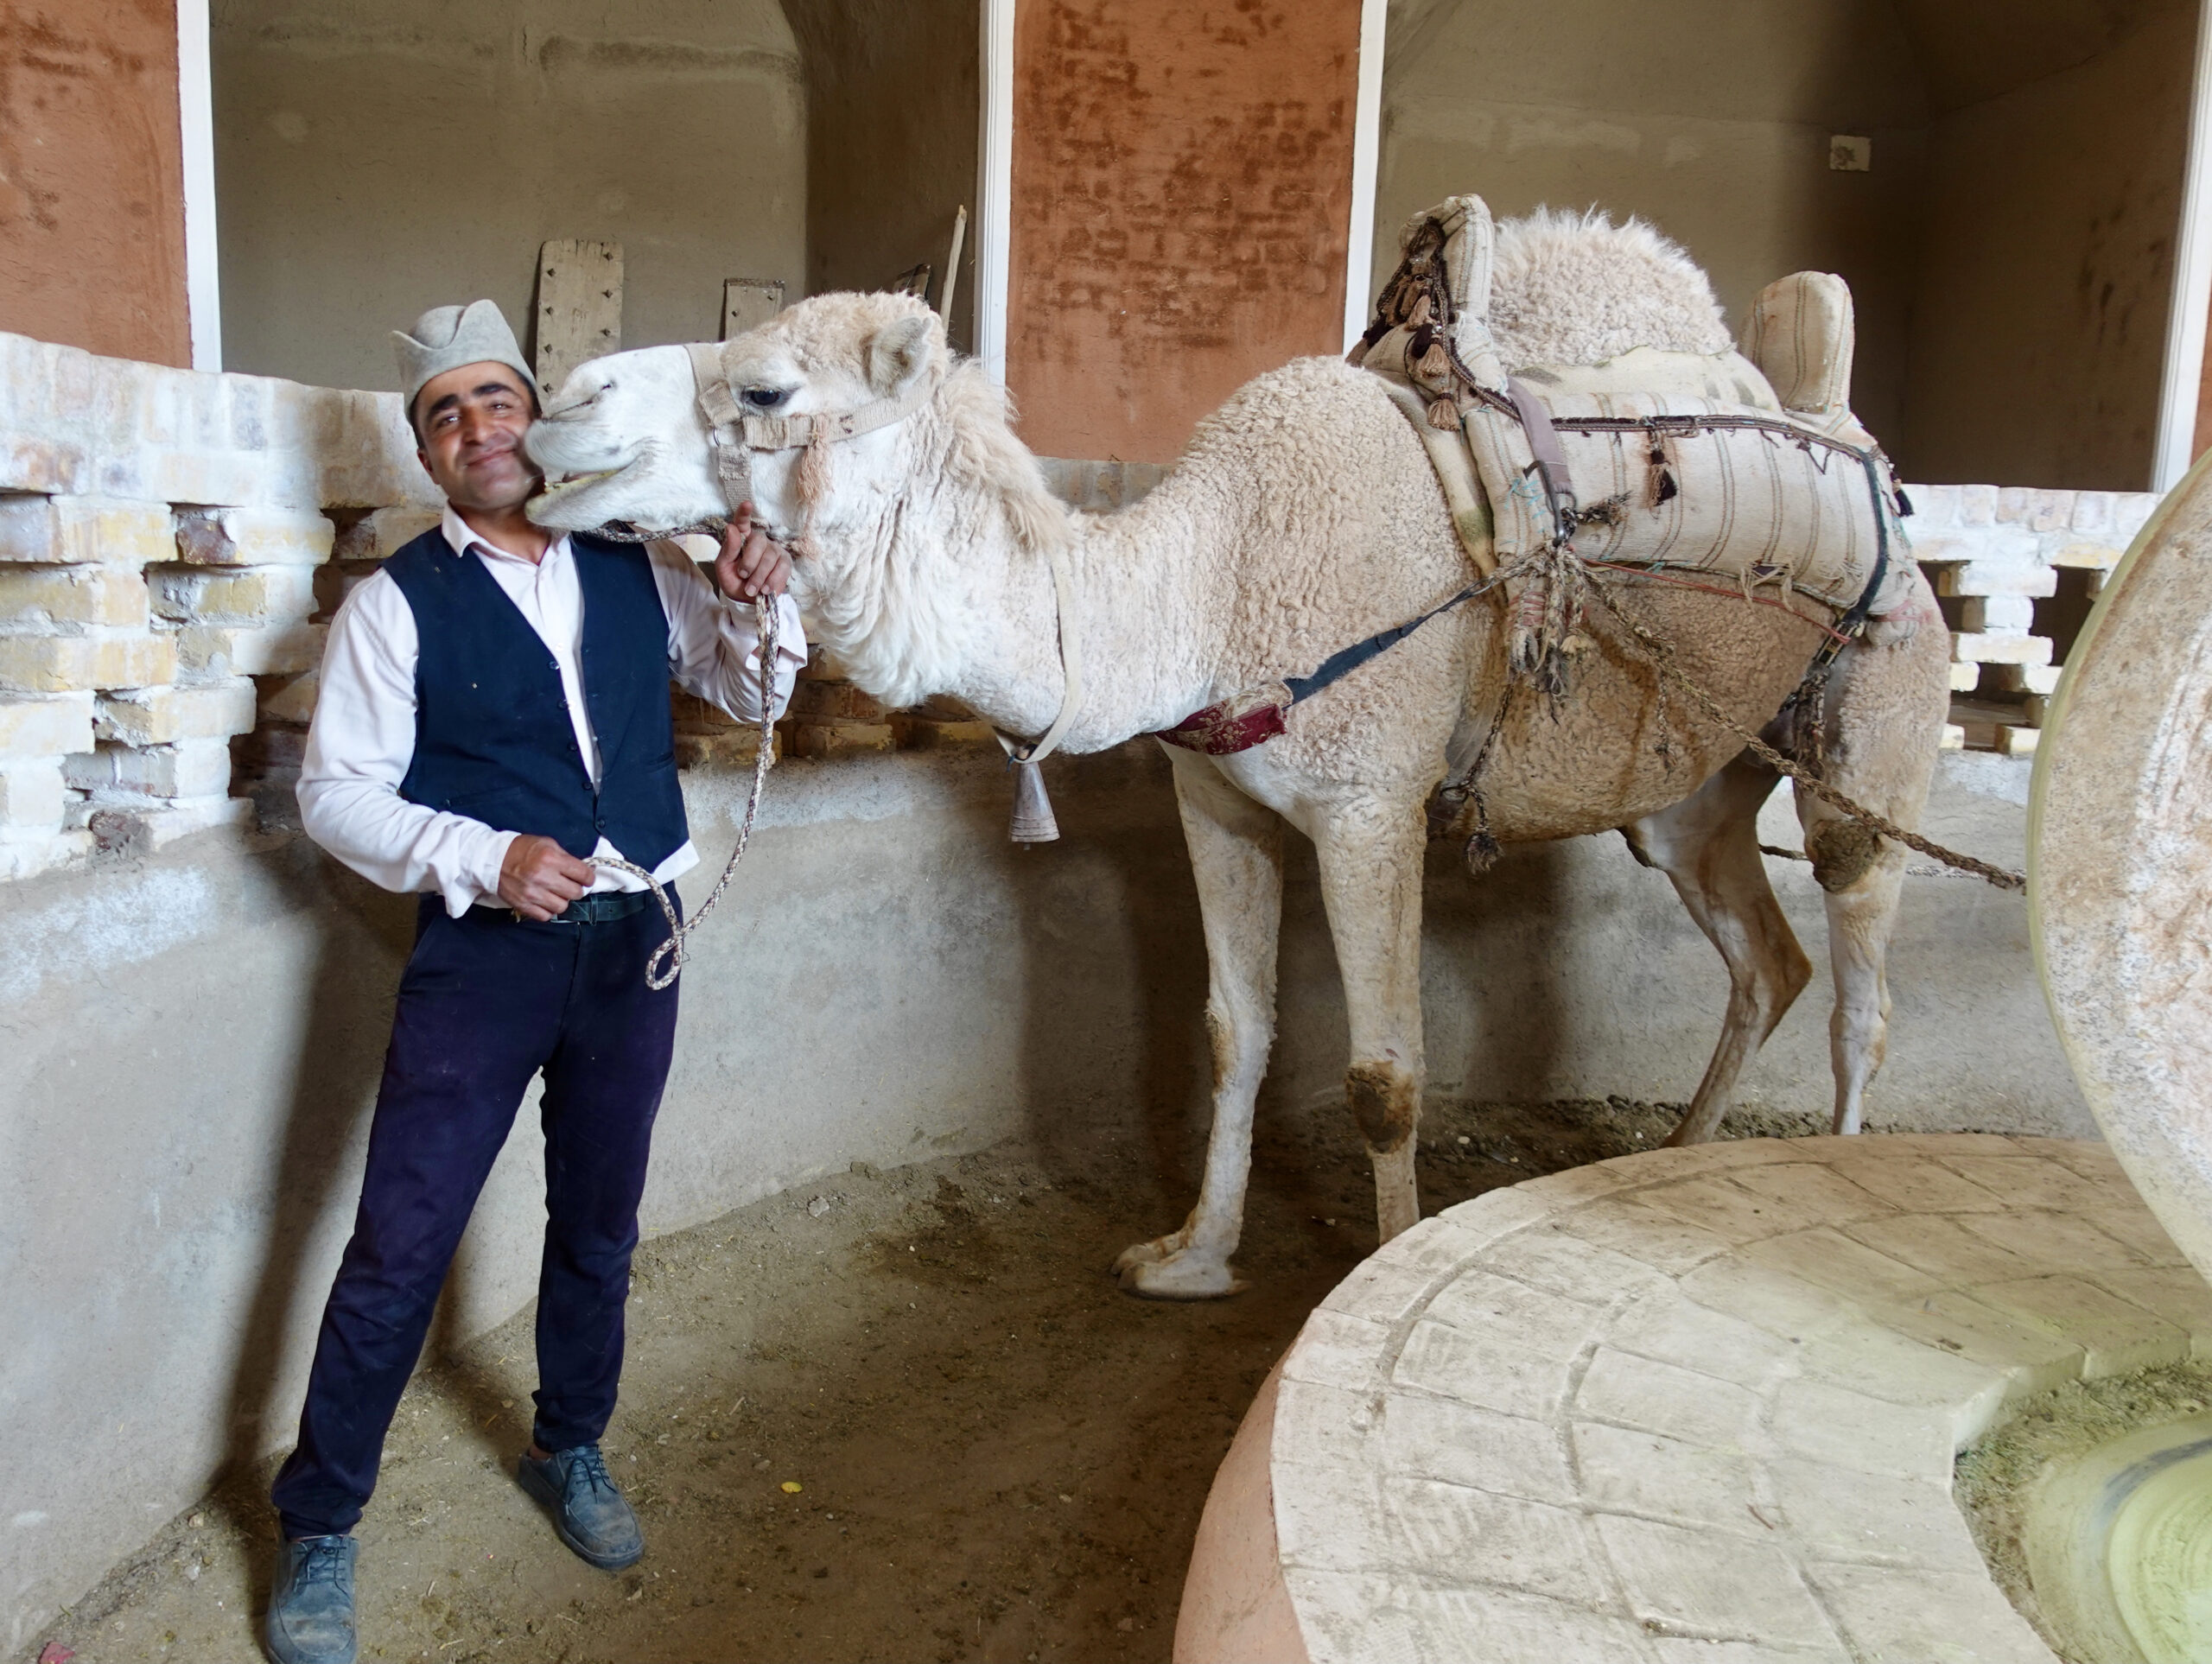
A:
1237, 857
1370, 855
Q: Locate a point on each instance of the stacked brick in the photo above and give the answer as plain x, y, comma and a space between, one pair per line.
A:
1992, 553
161, 537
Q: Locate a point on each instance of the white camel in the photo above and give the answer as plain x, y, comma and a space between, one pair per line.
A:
1303, 517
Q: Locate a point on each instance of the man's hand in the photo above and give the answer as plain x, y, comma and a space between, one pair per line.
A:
538, 879
751, 564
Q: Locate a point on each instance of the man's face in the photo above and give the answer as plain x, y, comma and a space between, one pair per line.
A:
469, 424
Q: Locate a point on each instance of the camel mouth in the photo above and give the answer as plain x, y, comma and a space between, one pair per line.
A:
560, 504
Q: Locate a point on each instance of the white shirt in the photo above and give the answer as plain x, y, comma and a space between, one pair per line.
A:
363, 736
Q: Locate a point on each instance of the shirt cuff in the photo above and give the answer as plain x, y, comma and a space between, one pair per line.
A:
479, 878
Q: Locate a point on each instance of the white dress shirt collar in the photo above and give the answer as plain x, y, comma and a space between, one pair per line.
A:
461, 537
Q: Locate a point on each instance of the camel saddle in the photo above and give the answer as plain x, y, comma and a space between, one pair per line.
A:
1746, 467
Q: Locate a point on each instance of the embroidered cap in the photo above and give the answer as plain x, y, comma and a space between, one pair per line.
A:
447, 337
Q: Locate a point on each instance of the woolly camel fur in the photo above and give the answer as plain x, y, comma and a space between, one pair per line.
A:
1303, 517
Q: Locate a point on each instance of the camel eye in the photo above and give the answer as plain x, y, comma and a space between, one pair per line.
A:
765, 398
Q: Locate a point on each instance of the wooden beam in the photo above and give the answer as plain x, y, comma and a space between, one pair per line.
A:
579, 307
748, 303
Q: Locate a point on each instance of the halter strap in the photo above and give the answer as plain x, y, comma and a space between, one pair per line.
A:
718, 403
735, 431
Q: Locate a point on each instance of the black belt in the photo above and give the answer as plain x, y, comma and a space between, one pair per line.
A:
601, 907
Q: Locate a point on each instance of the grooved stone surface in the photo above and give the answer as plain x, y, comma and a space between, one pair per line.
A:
1703, 1404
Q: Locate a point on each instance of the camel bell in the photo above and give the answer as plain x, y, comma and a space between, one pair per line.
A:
1032, 810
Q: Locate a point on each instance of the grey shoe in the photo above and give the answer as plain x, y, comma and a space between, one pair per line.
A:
588, 1510
310, 1617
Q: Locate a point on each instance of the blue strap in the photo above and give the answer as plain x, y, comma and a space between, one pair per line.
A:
1339, 665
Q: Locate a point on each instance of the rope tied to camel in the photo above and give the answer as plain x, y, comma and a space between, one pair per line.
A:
669, 959
1661, 655
1558, 586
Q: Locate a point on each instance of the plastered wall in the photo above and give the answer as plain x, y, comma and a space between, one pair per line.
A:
891, 92
92, 177
2056, 157
2010, 251
376, 157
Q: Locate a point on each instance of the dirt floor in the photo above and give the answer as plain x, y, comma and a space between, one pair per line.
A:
892, 1416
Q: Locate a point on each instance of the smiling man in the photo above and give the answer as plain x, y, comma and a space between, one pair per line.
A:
493, 718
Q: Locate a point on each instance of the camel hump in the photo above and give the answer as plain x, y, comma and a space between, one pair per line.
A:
1801, 334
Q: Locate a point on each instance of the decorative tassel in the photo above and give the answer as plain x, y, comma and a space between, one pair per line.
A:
1444, 416
1435, 366
1032, 810
1663, 488
1422, 311
1482, 851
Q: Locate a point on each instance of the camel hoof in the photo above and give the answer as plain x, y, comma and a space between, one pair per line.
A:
1146, 1254
1180, 1277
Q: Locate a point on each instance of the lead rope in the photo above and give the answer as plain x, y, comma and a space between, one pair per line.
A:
766, 615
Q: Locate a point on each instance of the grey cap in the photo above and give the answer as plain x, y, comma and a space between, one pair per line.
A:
447, 337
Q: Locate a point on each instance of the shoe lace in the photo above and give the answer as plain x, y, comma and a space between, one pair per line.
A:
325, 1561
587, 1466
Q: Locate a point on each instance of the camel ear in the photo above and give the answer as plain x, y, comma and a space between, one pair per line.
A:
897, 353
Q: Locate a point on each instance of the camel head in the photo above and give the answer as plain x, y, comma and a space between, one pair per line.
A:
624, 438
889, 528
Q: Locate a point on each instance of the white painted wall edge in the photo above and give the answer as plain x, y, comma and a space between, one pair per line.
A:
2192, 290
195, 97
1366, 161
994, 187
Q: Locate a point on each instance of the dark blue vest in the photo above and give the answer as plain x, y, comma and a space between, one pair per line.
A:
492, 737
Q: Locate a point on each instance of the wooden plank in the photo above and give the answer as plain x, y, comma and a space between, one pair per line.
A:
748, 303
579, 307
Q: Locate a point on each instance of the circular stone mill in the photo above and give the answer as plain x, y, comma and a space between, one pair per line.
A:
1702, 1405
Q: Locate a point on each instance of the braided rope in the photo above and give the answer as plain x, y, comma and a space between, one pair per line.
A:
766, 613
1662, 658
672, 952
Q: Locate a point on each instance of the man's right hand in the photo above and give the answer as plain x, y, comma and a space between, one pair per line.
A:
538, 879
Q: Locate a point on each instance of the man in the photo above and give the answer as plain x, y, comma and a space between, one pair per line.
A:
493, 714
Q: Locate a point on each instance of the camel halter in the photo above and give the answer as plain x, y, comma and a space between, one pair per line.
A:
734, 432
734, 475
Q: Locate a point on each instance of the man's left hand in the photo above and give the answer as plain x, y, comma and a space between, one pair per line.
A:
751, 563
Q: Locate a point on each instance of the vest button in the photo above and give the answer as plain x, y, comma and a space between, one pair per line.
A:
599, 824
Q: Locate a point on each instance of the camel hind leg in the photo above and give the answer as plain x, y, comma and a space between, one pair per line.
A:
1371, 853
1237, 857
1887, 699
1709, 846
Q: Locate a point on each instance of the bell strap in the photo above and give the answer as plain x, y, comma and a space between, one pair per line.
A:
1070, 664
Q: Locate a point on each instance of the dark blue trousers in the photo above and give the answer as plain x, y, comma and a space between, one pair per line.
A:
488, 1001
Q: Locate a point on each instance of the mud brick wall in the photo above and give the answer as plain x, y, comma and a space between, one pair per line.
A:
166, 541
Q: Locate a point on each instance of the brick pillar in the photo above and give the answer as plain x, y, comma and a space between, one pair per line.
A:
1182, 197
92, 177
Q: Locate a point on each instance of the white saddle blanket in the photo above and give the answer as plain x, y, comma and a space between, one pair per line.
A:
1690, 461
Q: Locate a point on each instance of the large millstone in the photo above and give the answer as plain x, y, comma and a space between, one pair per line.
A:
2120, 864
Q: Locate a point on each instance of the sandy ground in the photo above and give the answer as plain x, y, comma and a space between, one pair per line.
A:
893, 1416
